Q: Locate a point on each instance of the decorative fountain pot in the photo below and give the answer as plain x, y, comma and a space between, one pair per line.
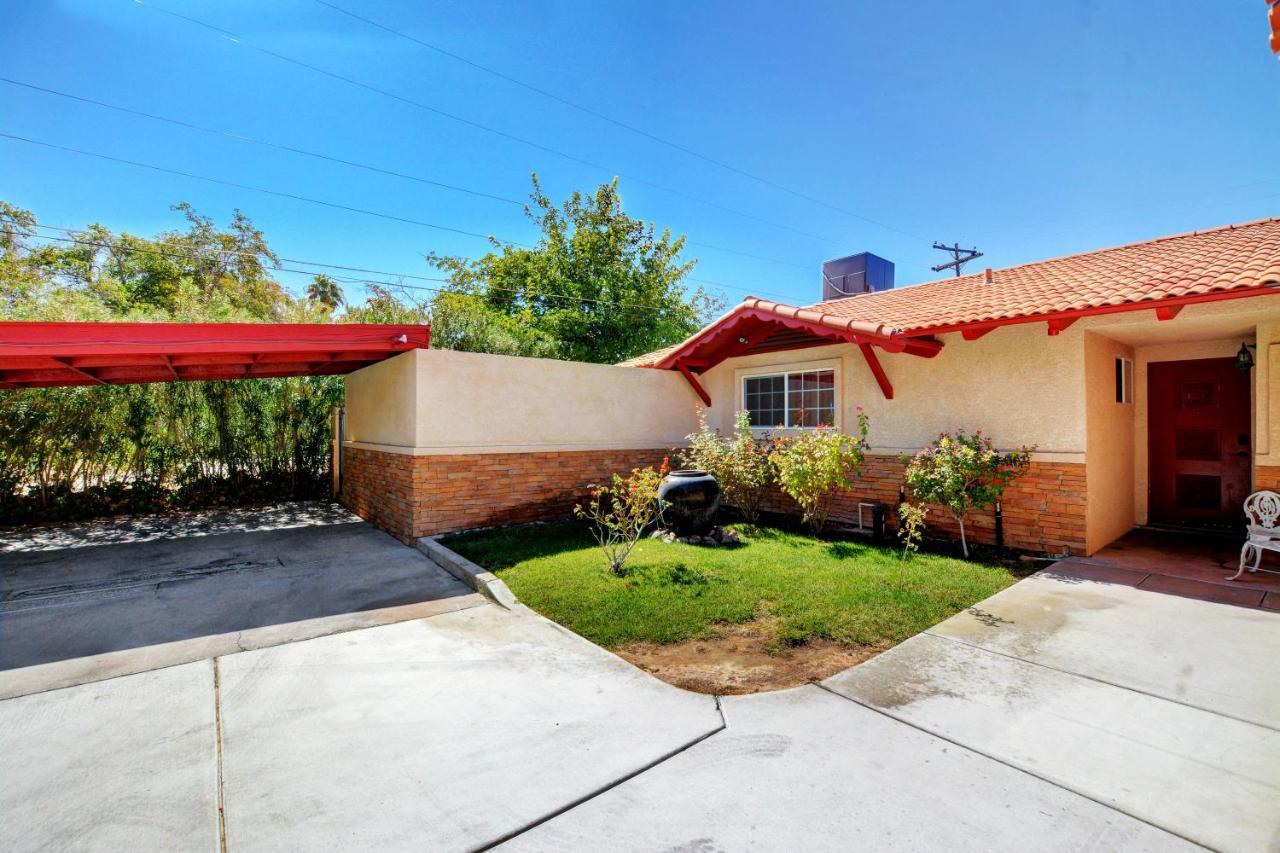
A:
687, 502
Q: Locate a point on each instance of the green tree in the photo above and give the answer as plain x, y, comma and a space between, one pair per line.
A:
325, 290
599, 286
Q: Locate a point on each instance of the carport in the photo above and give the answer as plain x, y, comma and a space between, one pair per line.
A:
82, 602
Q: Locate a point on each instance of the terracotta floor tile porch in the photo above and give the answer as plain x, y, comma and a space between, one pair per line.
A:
1193, 565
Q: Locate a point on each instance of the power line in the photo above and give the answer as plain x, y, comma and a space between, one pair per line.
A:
351, 81
278, 193
76, 239
413, 276
624, 125
337, 205
240, 137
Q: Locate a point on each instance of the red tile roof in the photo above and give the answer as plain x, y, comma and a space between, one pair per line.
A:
1227, 258
1182, 268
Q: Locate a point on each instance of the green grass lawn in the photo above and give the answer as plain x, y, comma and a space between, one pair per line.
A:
804, 587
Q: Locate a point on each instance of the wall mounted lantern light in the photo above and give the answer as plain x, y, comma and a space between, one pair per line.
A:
1244, 358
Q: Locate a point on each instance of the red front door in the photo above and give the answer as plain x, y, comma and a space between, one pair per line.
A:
1198, 440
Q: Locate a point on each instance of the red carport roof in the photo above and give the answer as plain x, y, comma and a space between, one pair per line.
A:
43, 355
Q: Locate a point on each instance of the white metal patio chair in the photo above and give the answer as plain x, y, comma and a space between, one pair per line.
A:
1262, 509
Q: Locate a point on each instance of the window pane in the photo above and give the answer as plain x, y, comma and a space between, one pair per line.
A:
762, 397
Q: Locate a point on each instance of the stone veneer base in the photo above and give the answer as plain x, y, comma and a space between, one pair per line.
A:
415, 496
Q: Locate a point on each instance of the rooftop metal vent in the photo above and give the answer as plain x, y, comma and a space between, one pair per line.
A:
860, 273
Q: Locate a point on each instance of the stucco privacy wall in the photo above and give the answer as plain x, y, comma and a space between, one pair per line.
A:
442, 402
439, 441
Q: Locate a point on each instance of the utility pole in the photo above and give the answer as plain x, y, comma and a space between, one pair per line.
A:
959, 257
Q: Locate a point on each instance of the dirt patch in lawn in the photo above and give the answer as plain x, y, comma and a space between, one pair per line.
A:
743, 659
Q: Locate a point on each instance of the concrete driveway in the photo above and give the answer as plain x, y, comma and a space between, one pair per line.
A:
1062, 714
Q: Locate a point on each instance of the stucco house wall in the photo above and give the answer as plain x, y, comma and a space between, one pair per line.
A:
440, 441
1109, 444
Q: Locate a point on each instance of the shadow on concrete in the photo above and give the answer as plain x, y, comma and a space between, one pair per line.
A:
182, 579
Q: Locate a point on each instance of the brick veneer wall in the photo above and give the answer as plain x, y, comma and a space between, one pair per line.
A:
1266, 477
413, 496
1044, 510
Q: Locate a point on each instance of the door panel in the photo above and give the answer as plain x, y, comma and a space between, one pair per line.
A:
1198, 440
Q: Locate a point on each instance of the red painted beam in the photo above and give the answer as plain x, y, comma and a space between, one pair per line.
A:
869, 353
974, 334
693, 381
1057, 327
1101, 310
1168, 312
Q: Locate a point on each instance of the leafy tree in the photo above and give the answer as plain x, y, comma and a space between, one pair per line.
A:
599, 286
325, 290
964, 472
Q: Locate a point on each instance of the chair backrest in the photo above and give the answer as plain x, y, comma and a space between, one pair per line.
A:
1263, 509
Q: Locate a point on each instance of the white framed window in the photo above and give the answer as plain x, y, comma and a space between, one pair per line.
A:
1124, 380
794, 399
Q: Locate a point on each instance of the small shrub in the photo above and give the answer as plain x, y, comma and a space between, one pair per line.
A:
620, 511
910, 529
813, 466
963, 472
740, 463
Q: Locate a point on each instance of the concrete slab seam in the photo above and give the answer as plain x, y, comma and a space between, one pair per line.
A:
236, 640
1097, 680
609, 786
1001, 761
217, 734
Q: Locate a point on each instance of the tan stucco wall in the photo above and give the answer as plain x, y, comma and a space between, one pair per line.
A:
1109, 445
1266, 388
1017, 384
380, 402
447, 402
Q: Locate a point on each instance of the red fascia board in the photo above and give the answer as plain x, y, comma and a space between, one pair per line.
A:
717, 341
105, 339
1123, 308
41, 355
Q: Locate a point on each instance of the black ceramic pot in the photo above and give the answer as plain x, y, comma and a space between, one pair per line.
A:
687, 502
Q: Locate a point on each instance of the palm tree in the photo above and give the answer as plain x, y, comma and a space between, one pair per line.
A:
325, 290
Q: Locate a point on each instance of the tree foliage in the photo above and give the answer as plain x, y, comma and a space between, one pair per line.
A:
599, 286
70, 452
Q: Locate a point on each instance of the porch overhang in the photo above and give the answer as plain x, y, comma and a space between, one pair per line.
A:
759, 326
44, 355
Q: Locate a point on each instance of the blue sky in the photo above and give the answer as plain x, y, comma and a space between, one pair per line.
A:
1030, 129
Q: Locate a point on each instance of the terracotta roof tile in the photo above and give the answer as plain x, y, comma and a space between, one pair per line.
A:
1227, 258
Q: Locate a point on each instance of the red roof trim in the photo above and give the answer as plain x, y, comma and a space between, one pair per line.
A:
1168, 306
753, 311
42, 355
